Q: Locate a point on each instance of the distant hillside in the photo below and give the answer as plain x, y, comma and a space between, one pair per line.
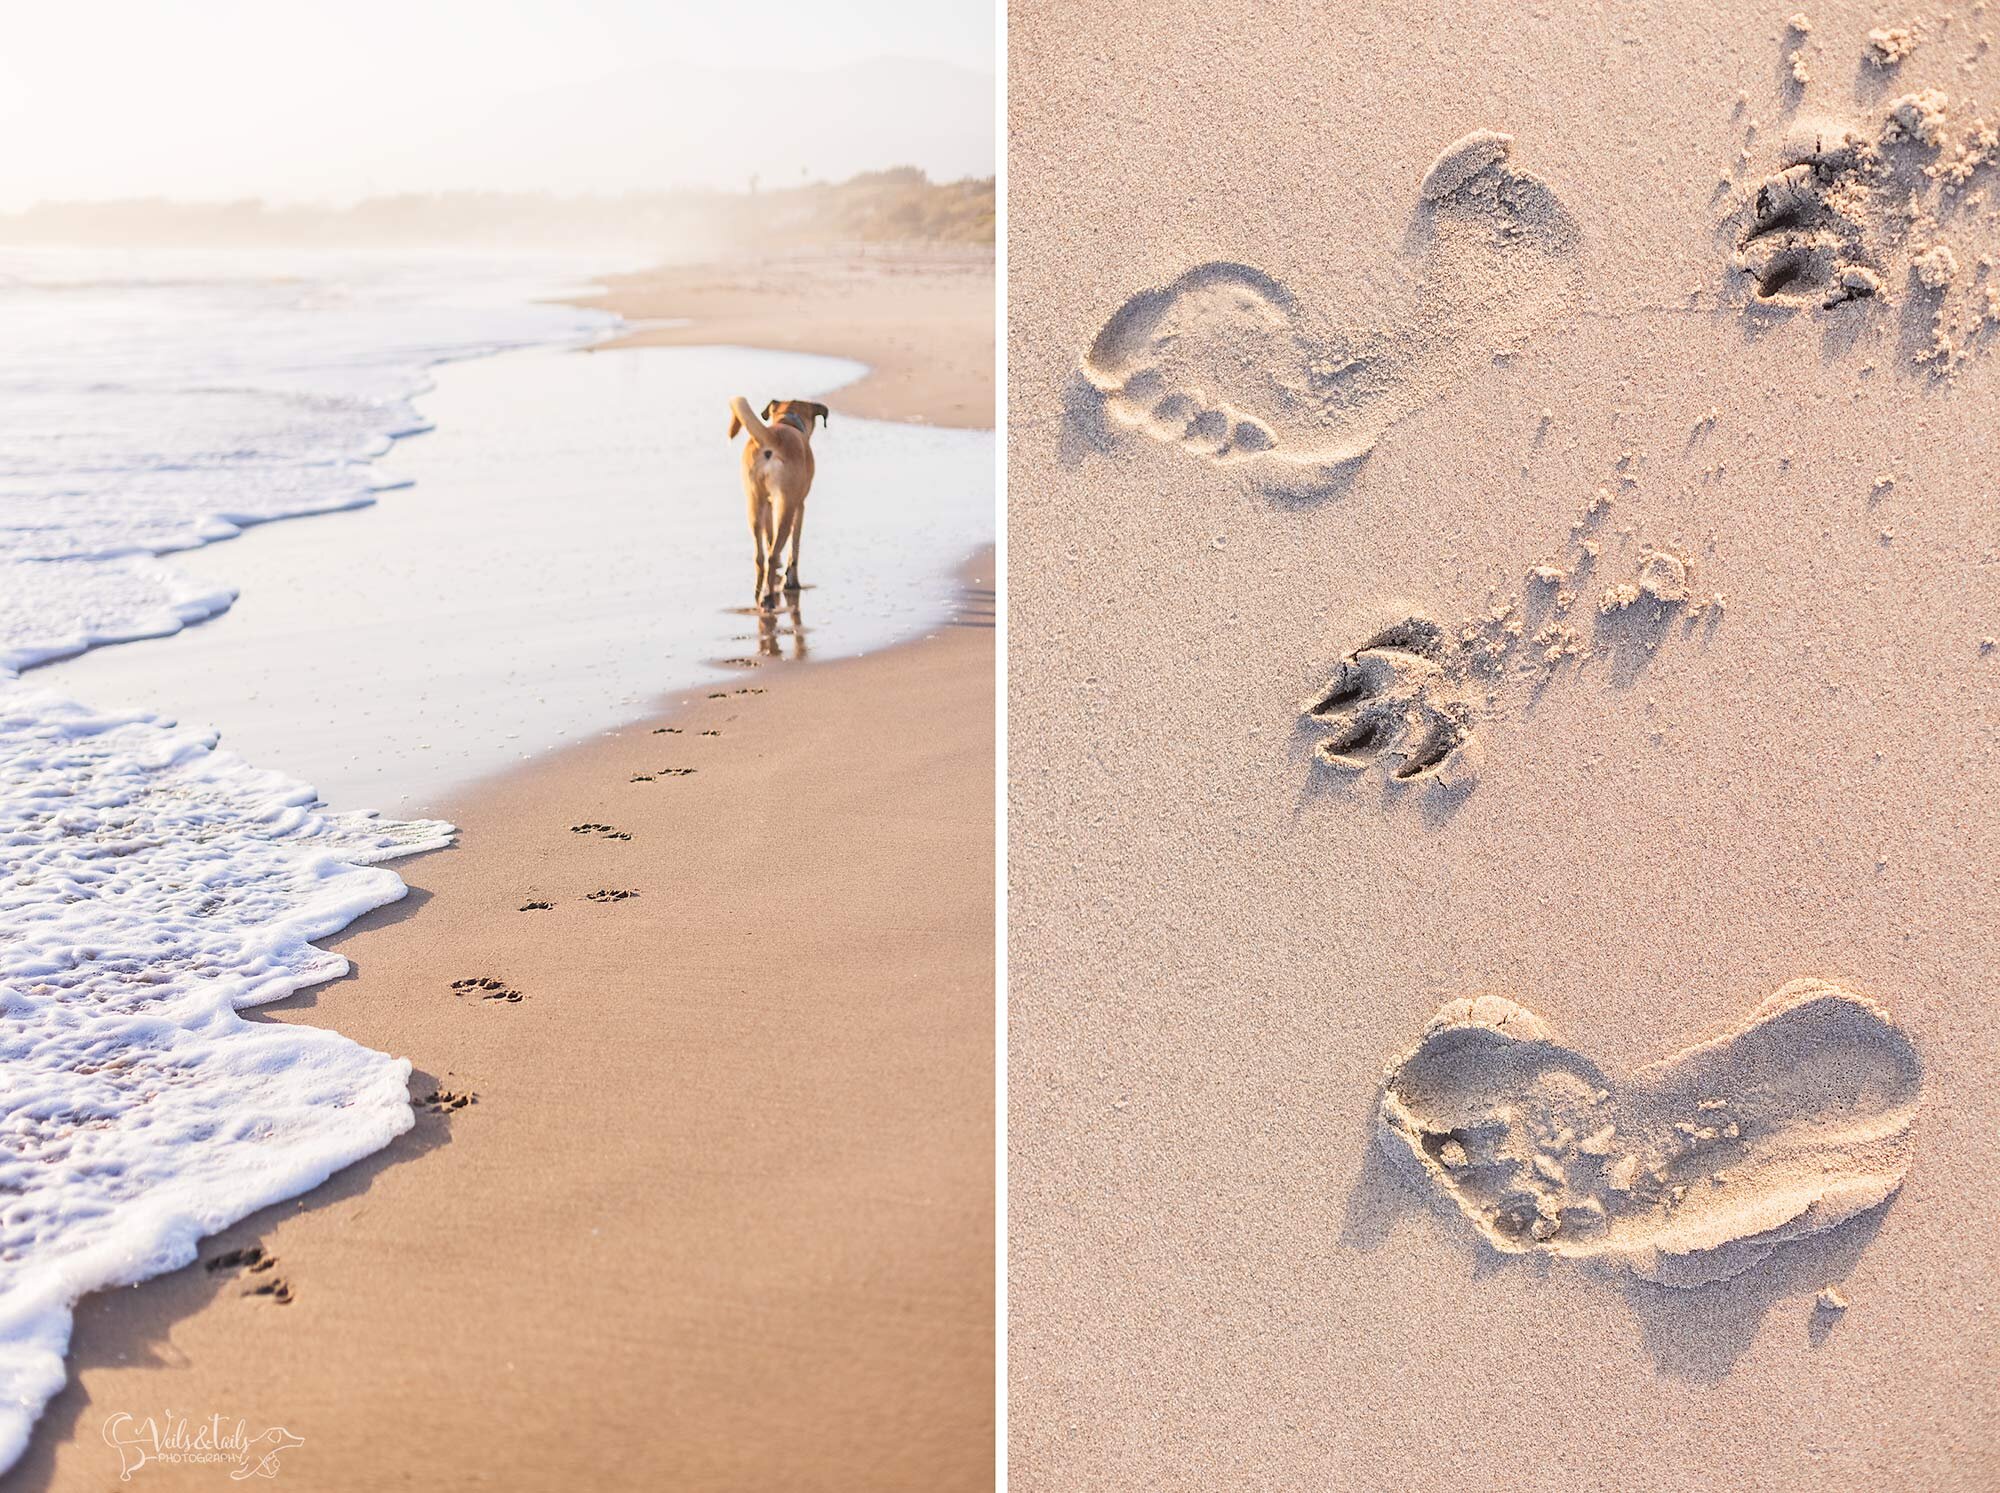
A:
649, 126
901, 205
714, 128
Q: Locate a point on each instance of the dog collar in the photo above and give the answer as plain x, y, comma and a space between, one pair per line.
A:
791, 418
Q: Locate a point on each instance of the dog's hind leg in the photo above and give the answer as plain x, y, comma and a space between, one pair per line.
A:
792, 557
782, 534
764, 578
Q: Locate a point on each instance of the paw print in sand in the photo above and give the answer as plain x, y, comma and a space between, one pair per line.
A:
254, 1260
487, 989
1806, 243
1396, 701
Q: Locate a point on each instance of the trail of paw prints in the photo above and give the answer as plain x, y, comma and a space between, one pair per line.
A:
252, 1260
602, 831
1222, 363
487, 989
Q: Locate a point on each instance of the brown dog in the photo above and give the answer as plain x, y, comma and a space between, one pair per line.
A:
777, 475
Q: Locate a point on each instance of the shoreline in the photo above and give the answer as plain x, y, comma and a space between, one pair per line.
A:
405, 701
731, 1155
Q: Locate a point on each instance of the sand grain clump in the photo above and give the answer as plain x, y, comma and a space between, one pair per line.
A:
1919, 117
1889, 45
1936, 268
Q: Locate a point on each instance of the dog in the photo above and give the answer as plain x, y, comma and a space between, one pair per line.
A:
777, 475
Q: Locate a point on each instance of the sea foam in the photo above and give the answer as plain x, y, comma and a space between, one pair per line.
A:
153, 885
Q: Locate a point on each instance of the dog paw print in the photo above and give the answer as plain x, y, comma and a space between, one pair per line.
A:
711, 733
603, 894
1394, 701
602, 831
487, 989
676, 730
536, 906
745, 691
446, 1101
1806, 242
250, 1258
741, 663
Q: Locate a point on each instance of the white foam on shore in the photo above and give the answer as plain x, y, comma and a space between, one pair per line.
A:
154, 886
150, 404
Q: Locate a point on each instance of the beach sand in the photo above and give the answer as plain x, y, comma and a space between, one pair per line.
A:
1444, 566
920, 317
710, 1204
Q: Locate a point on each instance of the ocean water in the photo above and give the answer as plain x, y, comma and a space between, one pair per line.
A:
558, 554
572, 552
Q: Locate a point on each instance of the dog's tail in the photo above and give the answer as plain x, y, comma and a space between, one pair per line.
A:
742, 417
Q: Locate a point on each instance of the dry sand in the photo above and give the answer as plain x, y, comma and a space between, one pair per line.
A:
920, 317
1447, 567
703, 1193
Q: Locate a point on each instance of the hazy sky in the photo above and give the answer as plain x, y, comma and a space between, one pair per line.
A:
312, 100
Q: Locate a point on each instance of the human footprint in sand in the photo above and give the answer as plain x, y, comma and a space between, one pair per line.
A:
1689, 1170
1221, 363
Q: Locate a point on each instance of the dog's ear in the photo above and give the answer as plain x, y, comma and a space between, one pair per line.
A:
735, 423
769, 405
821, 411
